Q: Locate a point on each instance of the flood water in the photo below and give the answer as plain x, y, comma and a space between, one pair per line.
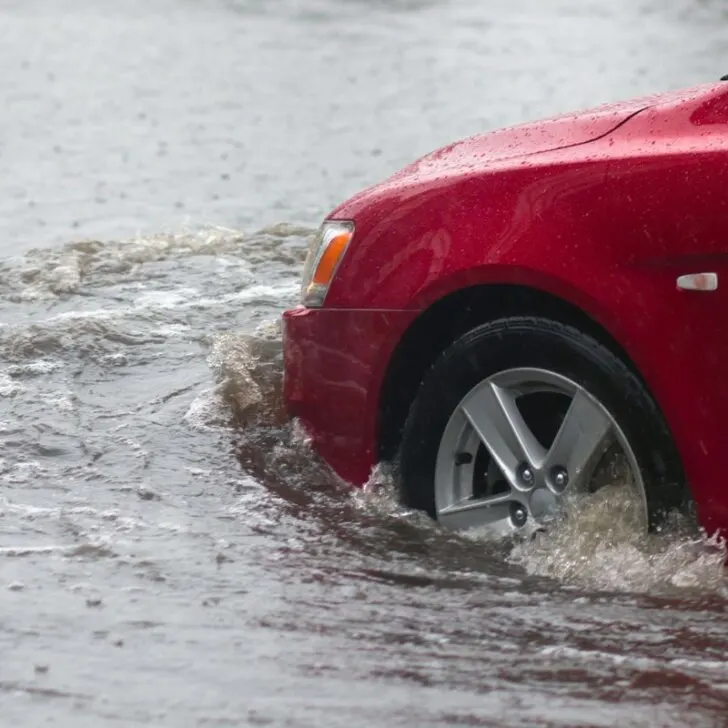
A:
171, 552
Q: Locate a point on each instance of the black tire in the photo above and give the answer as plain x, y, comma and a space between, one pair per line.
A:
537, 342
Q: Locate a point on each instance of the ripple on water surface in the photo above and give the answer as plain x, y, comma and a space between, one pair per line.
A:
161, 523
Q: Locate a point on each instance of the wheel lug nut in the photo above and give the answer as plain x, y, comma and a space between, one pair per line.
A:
525, 474
519, 515
560, 477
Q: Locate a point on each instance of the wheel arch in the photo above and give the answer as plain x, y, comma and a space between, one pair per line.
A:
441, 323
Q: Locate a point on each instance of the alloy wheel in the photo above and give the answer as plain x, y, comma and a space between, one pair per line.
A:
519, 445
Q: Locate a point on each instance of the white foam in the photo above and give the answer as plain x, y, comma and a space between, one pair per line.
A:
9, 387
179, 299
36, 367
32, 550
207, 410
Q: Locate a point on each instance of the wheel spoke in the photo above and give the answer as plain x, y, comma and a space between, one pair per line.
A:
494, 415
480, 512
581, 438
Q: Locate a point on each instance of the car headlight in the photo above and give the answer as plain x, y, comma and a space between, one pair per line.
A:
324, 255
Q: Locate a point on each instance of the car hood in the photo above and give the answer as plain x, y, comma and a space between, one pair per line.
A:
482, 150
544, 135
558, 132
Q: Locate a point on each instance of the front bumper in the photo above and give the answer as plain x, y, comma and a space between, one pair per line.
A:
334, 363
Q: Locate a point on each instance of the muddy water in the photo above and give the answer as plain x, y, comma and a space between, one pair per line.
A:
171, 553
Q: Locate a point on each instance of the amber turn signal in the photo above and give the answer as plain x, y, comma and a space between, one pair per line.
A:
329, 260
326, 251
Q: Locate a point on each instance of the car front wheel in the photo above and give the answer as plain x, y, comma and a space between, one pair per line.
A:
521, 416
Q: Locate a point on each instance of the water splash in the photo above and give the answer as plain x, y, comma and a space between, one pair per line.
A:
599, 545
51, 273
249, 370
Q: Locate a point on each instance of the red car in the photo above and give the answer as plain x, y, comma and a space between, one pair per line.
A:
514, 315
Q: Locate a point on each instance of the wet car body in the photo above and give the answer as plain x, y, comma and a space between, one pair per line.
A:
591, 217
